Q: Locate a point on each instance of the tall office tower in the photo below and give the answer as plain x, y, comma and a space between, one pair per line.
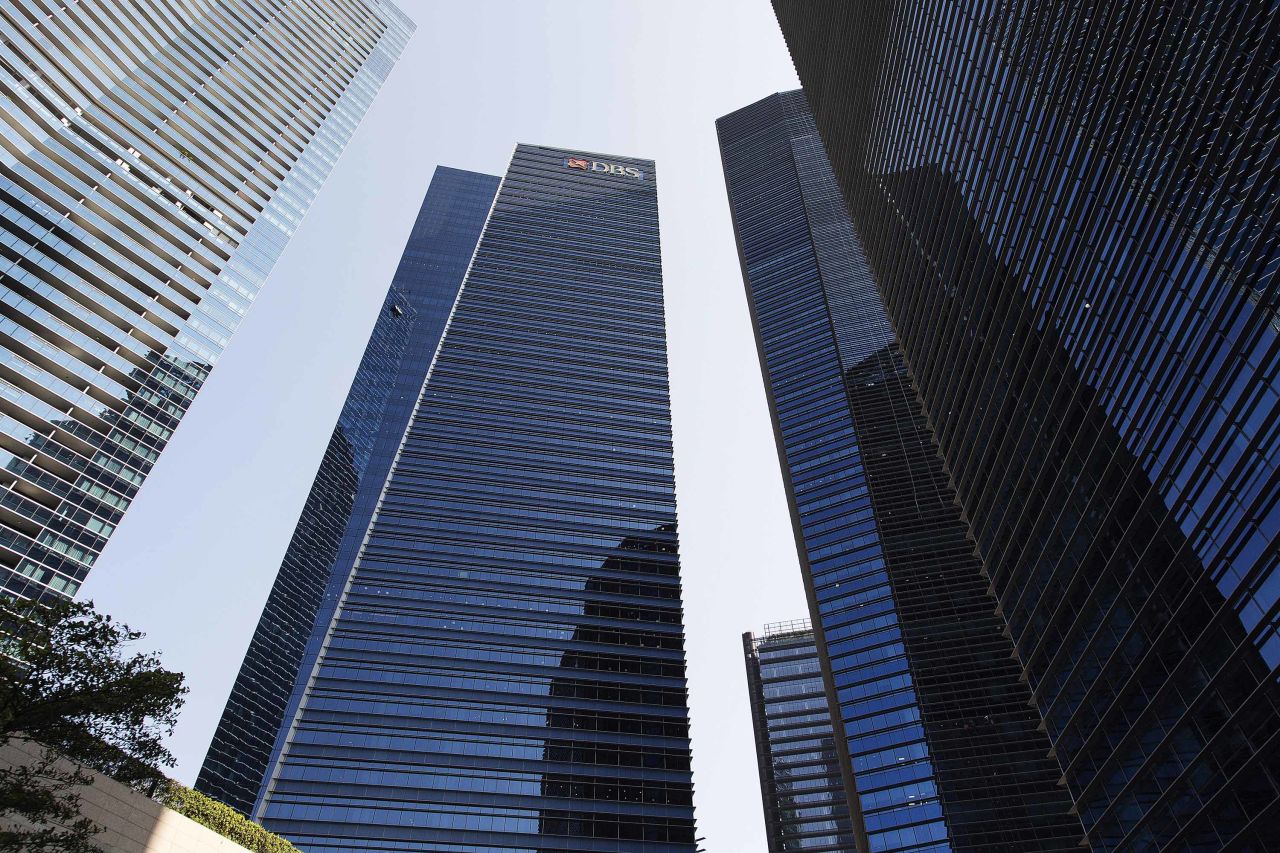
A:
349, 481
155, 157
504, 669
940, 748
1070, 212
801, 783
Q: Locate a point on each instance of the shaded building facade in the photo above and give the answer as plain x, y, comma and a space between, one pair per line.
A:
801, 783
504, 669
939, 747
349, 480
1070, 213
155, 157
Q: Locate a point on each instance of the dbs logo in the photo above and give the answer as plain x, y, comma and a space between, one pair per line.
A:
609, 168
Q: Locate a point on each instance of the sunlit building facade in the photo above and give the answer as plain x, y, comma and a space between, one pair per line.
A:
1070, 213
349, 480
801, 784
504, 669
155, 157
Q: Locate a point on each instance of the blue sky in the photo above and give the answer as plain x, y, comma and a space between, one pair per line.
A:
196, 555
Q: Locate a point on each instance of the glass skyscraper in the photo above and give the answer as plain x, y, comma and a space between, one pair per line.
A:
939, 748
801, 783
504, 666
1069, 211
155, 157
349, 481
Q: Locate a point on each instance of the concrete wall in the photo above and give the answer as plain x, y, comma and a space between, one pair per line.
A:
131, 822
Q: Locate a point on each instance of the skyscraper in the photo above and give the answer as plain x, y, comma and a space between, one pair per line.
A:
801, 784
349, 481
940, 750
504, 667
155, 157
1069, 212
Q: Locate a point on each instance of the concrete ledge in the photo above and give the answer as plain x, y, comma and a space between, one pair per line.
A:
131, 822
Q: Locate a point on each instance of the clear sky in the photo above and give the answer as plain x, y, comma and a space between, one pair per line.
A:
195, 557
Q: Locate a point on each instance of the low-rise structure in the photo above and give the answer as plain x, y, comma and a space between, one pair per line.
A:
133, 822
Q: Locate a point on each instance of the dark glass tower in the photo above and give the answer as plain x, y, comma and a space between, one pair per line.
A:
801, 783
504, 670
940, 747
349, 481
1070, 213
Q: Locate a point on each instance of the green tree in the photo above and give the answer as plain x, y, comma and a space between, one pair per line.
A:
70, 683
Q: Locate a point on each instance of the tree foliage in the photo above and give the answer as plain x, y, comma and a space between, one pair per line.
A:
69, 681
40, 808
223, 820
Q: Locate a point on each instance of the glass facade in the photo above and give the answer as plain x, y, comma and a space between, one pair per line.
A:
800, 778
349, 481
1070, 212
940, 746
155, 157
504, 670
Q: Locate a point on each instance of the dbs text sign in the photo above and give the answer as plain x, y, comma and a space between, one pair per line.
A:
609, 168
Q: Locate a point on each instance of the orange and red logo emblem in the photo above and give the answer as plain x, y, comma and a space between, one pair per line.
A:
609, 168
